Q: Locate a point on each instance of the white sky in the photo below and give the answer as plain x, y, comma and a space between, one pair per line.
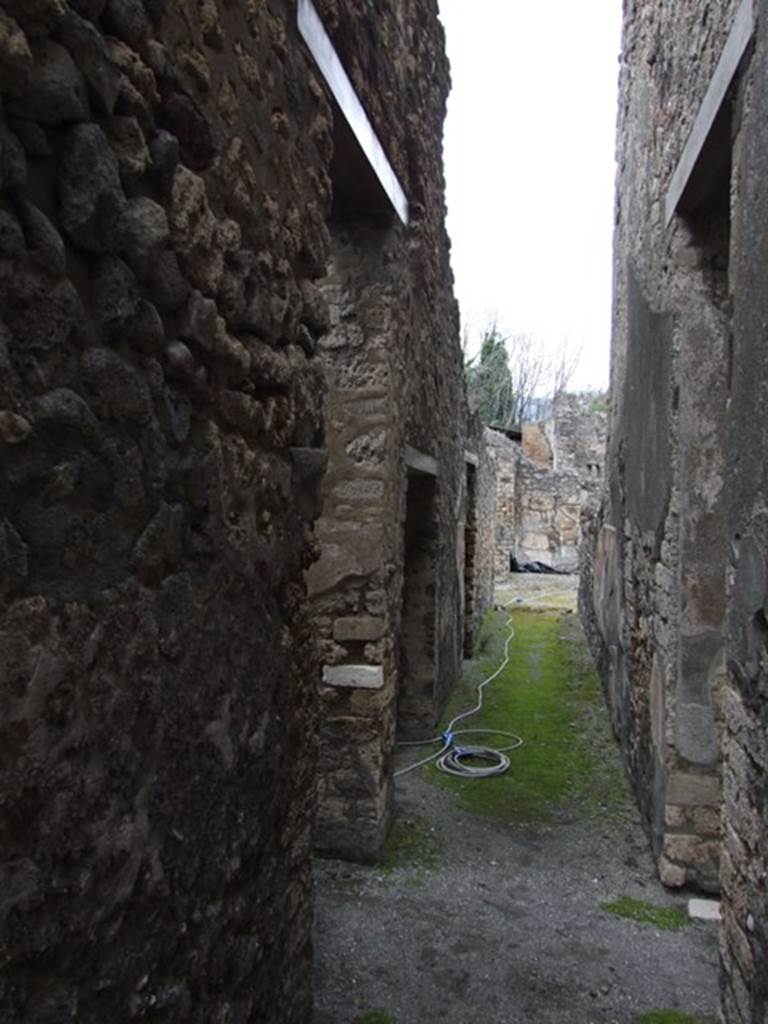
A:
529, 160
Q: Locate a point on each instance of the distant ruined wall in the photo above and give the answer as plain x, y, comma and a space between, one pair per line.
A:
547, 513
578, 429
505, 455
164, 173
544, 481
678, 553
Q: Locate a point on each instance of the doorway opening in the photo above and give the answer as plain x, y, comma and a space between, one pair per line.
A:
470, 552
418, 661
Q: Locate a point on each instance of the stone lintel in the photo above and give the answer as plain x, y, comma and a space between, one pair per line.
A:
320, 46
363, 677
419, 462
471, 458
704, 910
359, 627
735, 47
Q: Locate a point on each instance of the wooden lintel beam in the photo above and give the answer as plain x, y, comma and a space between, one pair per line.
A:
738, 40
418, 462
320, 46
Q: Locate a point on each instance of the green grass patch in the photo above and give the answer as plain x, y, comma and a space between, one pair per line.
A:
669, 919
412, 844
550, 695
375, 1017
667, 1017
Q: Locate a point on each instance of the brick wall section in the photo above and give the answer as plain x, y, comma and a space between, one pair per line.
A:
164, 194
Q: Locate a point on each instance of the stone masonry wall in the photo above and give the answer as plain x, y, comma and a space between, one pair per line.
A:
547, 512
578, 428
744, 874
543, 483
164, 175
479, 589
679, 550
359, 532
389, 602
505, 455
659, 545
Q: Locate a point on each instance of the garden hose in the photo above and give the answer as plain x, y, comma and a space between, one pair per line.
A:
451, 758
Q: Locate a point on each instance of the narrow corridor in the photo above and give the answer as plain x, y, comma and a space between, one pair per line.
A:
489, 904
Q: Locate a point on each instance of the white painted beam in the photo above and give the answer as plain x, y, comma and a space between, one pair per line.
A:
320, 46
735, 47
419, 462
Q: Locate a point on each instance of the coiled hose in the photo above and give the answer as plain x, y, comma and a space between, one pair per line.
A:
451, 758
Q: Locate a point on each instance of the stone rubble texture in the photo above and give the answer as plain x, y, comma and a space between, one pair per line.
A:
387, 604
674, 580
544, 481
188, 342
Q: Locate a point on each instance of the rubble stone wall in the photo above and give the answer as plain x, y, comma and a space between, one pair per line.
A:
164, 174
544, 481
660, 544
678, 551
505, 456
578, 428
744, 874
479, 588
393, 359
547, 516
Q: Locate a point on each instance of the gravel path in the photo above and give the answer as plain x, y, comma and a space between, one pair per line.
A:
502, 923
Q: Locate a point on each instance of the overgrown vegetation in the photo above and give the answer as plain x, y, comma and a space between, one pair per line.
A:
413, 844
375, 1017
550, 695
667, 1017
669, 919
513, 378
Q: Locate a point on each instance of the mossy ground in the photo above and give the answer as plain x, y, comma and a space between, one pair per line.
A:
667, 1017
669, 919
549, 694
413, 845
375, 1017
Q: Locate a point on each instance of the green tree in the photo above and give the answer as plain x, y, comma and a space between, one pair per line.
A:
515, 378
489, 380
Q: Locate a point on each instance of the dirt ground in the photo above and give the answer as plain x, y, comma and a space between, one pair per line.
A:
474, 918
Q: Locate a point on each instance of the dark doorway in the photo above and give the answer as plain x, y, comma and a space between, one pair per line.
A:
470, 550
418, 663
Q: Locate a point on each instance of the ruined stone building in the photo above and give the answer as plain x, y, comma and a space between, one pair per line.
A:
676, 579
223, 266
545, 473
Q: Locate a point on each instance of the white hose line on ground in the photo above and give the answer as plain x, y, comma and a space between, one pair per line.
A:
450, 758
